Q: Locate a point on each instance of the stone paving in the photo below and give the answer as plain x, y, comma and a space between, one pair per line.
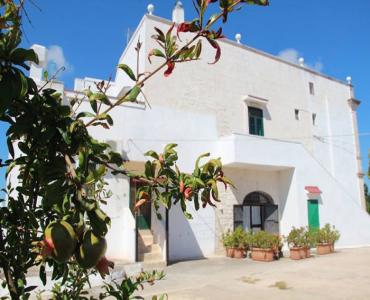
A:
343, 275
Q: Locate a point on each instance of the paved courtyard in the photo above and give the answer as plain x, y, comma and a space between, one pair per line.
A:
343, 275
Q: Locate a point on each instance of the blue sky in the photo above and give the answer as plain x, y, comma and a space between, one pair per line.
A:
89, 36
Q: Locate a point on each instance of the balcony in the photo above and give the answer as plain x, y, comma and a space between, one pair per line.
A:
253, 152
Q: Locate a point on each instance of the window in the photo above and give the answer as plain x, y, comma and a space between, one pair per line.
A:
255, 121
258, 212
296, 113
314, 119
312, 88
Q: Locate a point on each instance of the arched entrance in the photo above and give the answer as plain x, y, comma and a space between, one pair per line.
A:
258, 212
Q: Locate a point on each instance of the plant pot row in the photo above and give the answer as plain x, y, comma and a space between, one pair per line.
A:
257, 254
297, 253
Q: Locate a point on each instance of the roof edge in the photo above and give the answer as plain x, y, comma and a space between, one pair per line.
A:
260, 52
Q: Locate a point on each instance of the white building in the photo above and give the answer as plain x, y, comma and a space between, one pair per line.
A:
286, 134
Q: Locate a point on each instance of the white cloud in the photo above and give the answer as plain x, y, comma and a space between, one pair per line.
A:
56, 60
292, 55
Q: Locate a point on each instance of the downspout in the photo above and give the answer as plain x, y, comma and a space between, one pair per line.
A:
167, 239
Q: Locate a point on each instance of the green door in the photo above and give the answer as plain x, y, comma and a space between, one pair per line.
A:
313, 214
144, 216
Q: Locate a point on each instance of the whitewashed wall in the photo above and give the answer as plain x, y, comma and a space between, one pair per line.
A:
200, 103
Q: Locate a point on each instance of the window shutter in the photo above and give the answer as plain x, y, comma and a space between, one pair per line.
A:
271, 218
255, 117
238, 216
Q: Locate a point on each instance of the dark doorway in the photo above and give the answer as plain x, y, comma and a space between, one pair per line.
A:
258, 212
144, 213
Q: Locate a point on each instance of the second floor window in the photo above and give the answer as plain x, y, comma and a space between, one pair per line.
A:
255, 121
312, 88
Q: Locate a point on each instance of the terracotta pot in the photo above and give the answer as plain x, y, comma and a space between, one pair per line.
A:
259, 254
239, 253
296, 253
230, 252
323, 249
307, 252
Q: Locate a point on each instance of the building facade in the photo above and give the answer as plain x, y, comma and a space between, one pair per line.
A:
286, 134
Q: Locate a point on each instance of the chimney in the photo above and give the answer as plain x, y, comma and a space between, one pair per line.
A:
178, 13
36, 71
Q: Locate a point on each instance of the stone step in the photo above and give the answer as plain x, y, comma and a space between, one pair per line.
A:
150, 257
145, 237
145, 232
146, 241
154, 248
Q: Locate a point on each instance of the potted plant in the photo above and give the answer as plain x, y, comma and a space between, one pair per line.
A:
264, 246
236, 243
308, 241
334, 236
326, 238
296, 240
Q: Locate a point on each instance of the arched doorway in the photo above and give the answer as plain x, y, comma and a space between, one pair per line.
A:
258, 212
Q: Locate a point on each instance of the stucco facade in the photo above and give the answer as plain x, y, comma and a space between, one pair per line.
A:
205, 108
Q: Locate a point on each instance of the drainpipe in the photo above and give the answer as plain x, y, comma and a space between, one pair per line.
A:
354, 104
167, 238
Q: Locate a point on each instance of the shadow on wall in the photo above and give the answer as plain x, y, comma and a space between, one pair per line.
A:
183, 244
285, 180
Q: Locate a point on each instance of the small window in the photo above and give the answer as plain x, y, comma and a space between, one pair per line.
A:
296, 114
314, 119
255, 121
312, 88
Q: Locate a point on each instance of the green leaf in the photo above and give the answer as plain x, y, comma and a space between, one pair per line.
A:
85, 115
115, 158
169, 147
149, 172
99, 222
160, 36
157, 53
133, 94
23, 84
196, 201
198, 49
152, 154
100, 97
19, 56
196, 171
128, 71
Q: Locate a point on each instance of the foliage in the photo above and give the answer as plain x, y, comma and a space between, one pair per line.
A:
60, 169
239, 238
129, 286
300, 237
166, 182
295, 237
74, 285
265, 240
326, 235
